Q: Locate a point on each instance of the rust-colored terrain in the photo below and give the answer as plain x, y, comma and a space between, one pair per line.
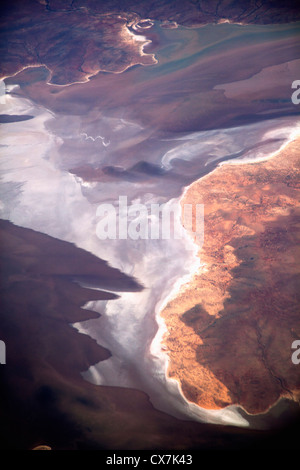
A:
231, 328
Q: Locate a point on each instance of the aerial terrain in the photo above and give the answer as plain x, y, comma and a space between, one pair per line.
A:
116, 333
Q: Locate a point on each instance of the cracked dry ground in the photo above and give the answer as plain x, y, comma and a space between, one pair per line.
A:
230, 329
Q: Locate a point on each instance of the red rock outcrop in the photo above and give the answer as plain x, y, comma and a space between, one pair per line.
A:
231, 328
